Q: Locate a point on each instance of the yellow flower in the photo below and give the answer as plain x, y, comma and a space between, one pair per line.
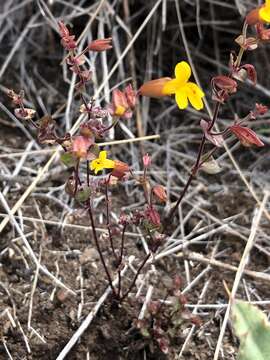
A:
264, 12
101, 162
183, 89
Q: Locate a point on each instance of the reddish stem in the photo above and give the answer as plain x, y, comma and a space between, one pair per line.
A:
98, 248
194, 170
135, 277
108, 217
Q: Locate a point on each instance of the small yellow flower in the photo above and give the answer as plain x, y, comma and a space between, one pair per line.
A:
264, 12
119, 110
183, 89
101, 162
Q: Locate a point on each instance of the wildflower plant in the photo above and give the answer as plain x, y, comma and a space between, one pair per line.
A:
81, 151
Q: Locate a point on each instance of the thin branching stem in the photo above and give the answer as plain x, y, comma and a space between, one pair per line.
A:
108, 219
98, 247
194, 170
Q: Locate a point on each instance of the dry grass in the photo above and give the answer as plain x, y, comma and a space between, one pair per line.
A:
217, 215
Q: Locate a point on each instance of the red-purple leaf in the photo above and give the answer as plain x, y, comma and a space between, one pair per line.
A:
251, 72
217, 140
246, 136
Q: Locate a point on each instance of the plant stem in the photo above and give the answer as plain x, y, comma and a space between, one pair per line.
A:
87, 173
108, 217
77, 177
121, 258
135, 277
98, 247
194, 170
113, 124
122, 243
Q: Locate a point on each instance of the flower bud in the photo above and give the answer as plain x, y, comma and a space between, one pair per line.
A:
251, 72
119, 104
64, 32
154, 88
246, 136
153, 216
160, 192
100, 45
261, 109
147, 161
253, 17
80, 146
120, 169
226, 83
130, 96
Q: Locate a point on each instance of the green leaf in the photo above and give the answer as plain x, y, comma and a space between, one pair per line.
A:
145, 332
83, 194
253, 329
68, 159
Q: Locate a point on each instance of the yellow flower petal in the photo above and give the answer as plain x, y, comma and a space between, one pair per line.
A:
181, 98
98, 168
182, 72
102, 155
101, 162
264, 13
170, 87
119, 110
93, 164
195, 95
108, 164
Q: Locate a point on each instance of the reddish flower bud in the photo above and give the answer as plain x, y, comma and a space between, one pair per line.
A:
67, 41
261, 109
119, 106
160, 192
100, 45
226, 83
246, 136
80, 146
153, 216
120, 169
252, 17
154, 88
64, 32
147, 161
251, 72
130, 96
